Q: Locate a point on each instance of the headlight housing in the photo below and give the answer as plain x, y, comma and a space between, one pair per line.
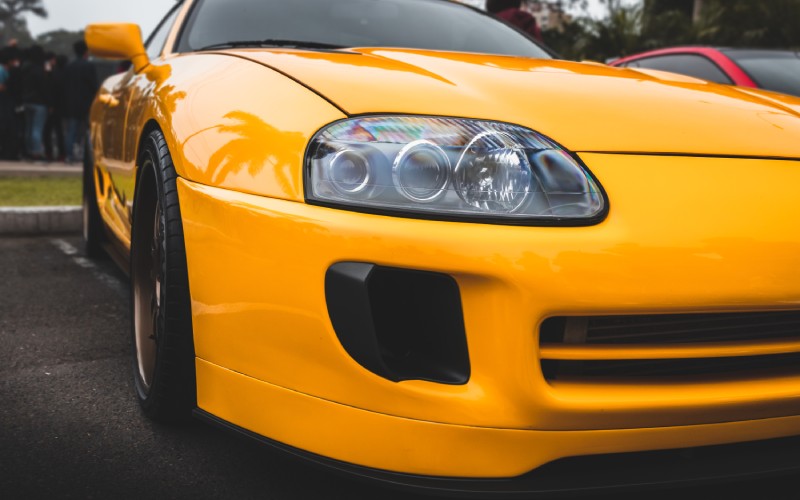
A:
451, 169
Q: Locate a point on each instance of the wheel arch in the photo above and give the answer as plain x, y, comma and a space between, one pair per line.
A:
151, 188
148, 128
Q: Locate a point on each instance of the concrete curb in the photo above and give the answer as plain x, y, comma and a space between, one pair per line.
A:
26, 221
28, 169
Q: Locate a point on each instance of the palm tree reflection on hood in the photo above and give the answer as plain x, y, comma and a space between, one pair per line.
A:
159, 74
257, 145
170, 98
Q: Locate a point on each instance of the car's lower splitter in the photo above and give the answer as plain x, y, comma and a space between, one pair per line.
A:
595, 473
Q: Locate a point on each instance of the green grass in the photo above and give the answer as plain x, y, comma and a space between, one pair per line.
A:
31, 191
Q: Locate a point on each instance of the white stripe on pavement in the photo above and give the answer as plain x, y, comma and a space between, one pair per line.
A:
110, 281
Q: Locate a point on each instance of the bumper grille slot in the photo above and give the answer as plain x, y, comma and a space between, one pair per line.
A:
708, 346
750, 367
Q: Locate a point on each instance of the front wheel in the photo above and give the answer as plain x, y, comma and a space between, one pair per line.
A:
161, 313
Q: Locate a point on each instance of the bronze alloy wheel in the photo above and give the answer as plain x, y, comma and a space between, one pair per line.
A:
161, 317
147, 282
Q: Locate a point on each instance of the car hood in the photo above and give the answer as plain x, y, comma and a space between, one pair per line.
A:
583, 106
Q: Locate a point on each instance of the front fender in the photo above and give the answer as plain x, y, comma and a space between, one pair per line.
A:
230, 122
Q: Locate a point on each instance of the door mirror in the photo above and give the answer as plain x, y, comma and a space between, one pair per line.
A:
118, 41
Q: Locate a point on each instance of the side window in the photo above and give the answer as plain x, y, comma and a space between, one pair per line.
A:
685, 64
155, 44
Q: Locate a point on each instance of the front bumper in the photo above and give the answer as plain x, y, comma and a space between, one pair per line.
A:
439, 458
683, 235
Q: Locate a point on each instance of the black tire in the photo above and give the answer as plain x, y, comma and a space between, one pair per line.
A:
161, 316
93, 236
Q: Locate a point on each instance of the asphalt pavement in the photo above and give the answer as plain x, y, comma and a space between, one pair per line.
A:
70, 426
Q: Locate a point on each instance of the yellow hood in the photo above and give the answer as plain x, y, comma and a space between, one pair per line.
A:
585, 107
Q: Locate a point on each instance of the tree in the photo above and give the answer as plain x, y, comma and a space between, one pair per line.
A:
59, 42
627, 28
698, 10
750, 23
617, 33
667, 22
12, 9
16, 29
13, 23
659, 6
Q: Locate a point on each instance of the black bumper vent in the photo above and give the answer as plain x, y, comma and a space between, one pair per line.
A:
400, 324
680, 328
594, 348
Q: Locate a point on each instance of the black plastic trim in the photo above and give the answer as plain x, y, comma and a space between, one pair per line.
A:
599, 474
400, 324
178, 5
476, 219
176, 45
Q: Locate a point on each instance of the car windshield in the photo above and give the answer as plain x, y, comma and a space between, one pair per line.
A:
772, 70
420, 24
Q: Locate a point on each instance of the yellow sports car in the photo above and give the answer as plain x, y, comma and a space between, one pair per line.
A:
398, 238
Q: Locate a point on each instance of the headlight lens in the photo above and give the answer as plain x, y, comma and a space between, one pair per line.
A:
421, 171
494, 174
450, 168
350, 172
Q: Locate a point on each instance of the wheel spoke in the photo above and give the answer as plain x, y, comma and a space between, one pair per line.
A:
148, 280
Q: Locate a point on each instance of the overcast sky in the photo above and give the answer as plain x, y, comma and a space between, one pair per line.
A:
75, 14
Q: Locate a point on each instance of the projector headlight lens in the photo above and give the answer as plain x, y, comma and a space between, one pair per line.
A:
348, 172
421, 172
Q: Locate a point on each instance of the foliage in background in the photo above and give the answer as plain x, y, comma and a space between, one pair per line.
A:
13, 9
15, 27
13, 24
60, 41
630, 27
752, 23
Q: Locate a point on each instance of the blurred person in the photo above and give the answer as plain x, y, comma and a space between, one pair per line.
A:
80, 86
54, 128
34, 99
16, 139
124, 66
511, 12
7, 129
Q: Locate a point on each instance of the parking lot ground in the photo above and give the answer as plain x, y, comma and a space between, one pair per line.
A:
71, 428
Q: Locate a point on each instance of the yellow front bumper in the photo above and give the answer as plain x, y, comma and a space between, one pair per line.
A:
683, 235
414, 446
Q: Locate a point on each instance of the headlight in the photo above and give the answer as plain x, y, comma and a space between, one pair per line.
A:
450, 168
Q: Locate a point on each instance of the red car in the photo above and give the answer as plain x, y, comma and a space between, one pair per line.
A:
776, 70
